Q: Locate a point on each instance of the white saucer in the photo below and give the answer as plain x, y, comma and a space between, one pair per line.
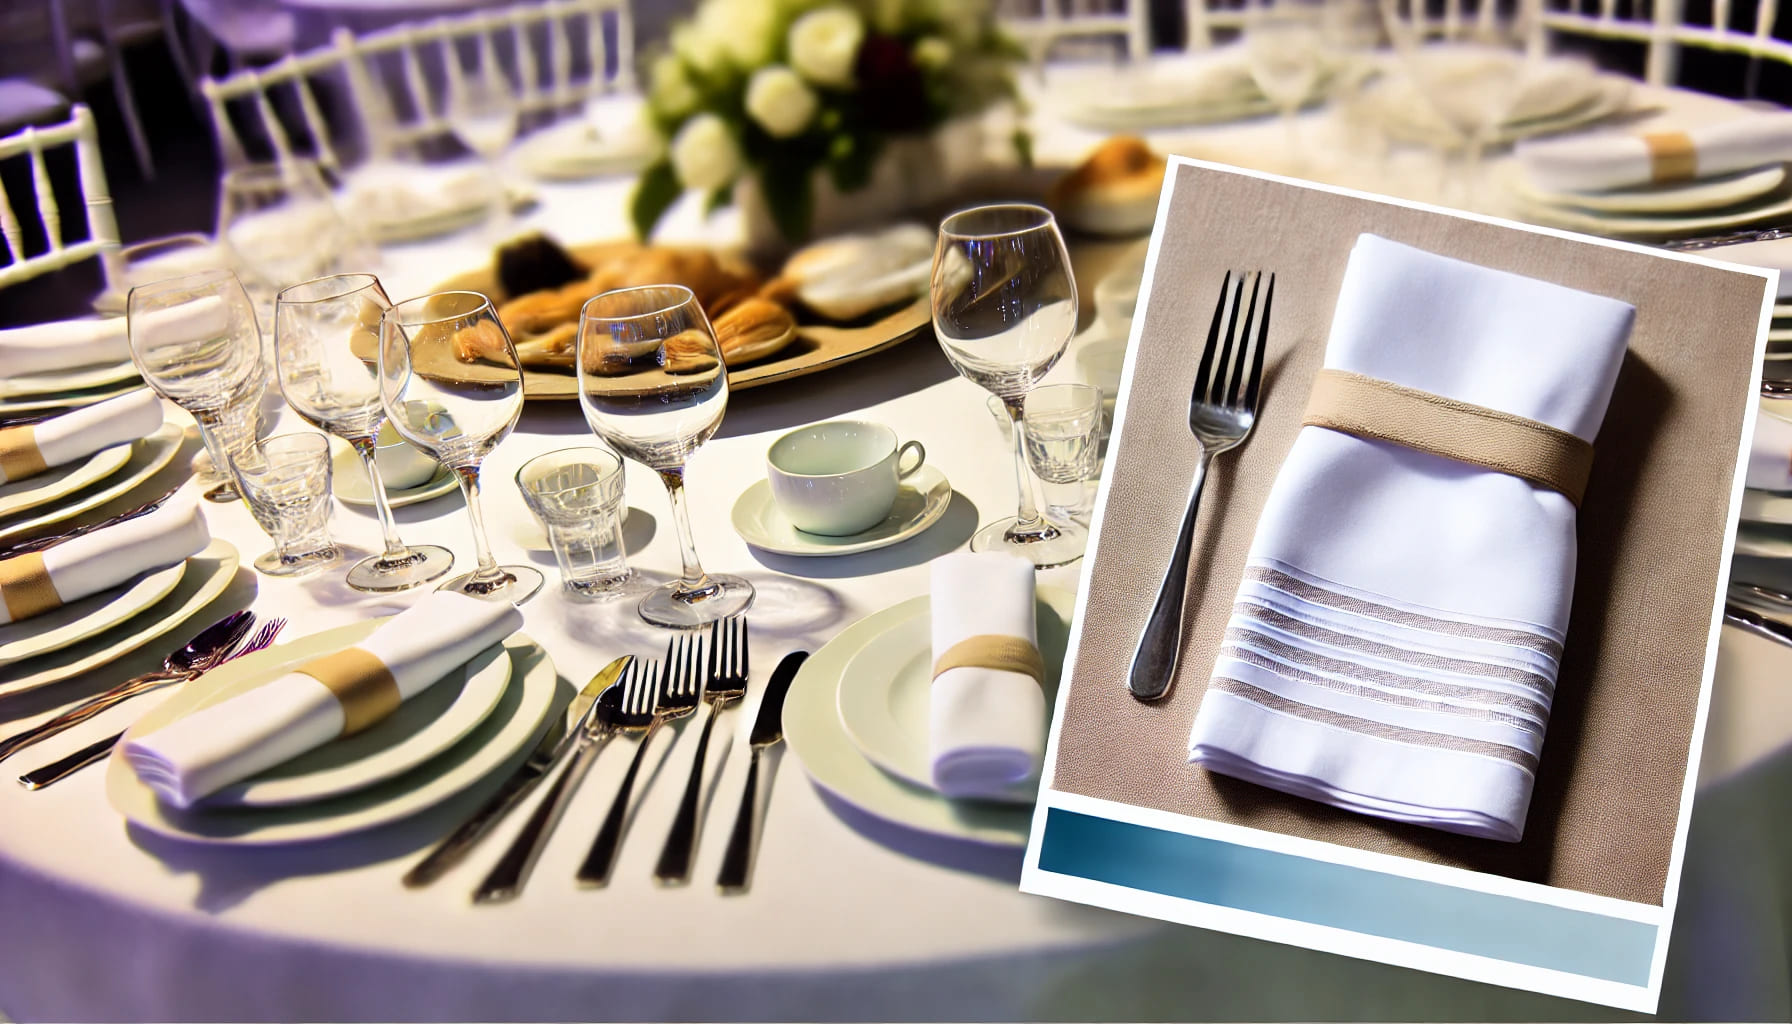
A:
87, 617
920, 502
349, 481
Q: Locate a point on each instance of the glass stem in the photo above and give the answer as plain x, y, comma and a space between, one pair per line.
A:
694, 579
469, 487
209, 426
395, 549
1027, 519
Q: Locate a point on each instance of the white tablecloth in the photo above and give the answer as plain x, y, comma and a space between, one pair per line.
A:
844, 920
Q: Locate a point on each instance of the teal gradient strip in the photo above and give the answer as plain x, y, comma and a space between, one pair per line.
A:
1339, 896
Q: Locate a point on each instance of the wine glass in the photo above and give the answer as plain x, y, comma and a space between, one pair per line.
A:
483, 112
1004, 308
195, 340
652, 384
281, 226
324, 330
451, 384
1286, 53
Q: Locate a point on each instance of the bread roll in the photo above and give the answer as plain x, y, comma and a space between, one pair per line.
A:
1114, 191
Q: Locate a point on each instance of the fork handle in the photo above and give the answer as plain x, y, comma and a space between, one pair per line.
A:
738, 858
596, 869
674, 867
505, 882
61, 769
87, 709
1153, 666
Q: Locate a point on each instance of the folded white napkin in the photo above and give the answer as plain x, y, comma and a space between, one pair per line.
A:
105, 558
63, 345
1595, 163
190, 759
1770, 454
78, 434
986, 726
1394, 645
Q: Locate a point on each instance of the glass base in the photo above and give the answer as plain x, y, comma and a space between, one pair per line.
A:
1048, 545
377, 575
674, 607
275, 564
518, 584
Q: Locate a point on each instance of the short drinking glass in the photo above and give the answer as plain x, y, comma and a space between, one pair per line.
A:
286, 484
577, 495
1062, 428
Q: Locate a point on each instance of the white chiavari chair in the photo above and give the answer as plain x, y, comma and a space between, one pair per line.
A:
1665, 31
1041, 25
294, 77
102, 225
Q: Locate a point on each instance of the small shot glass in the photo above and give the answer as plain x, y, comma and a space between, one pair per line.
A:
1062, 430
285, 481
576, 493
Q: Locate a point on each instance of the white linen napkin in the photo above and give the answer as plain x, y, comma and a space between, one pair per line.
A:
80, 433
190, 759
105, 558
1394, 645
1595, 163
1770, 454
63, 345
986, 726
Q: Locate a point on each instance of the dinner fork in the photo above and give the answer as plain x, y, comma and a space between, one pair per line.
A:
1221, 413
727, 684
58, 770
680, 693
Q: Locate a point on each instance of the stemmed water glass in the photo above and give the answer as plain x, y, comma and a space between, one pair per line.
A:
451, 385
195, 340
1285, 49
483, 112
318, 327
652, 384
281, 226
1004, 308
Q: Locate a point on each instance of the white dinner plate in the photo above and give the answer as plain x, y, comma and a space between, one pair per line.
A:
577, 151
71, 399
207, 574
920, 502
883, 699
496, 744
147, 457
1705, 194
1766, 507
90, 616
61, 481
349, 482
1667, 225
422, 727
55, 382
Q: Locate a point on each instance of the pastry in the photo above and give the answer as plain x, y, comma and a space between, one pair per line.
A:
1114, 191
752, 330
847, 277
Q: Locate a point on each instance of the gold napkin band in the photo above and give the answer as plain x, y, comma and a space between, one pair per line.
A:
1384, 411
1672, 157
992, 650
26, 588
361, 682
19, 457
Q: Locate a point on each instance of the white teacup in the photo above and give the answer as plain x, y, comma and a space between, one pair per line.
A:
402, 465
839, 478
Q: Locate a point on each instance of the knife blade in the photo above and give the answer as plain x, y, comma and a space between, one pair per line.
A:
460, 842
768, 730
1754, 622
43, 543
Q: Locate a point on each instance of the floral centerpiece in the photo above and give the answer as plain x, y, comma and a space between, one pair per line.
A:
786, 90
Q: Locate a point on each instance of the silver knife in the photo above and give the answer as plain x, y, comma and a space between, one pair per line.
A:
25, 547
454, 849
768, 730
1754, 622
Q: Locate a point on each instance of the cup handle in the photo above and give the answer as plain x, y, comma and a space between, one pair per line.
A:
920, 457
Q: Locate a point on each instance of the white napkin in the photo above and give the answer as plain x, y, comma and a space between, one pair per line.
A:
78, 434
1595, 163
63, 345
190, 759
1394, 645
1770, 454
986, 727
105, 558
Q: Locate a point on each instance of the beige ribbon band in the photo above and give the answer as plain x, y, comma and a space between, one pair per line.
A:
996, 651
1672, 157
26, 588
19, 457
361, 682
1384, 411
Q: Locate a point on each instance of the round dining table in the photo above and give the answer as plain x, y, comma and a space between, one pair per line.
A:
848, 917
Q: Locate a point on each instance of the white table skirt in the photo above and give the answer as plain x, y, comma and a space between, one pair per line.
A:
100, 923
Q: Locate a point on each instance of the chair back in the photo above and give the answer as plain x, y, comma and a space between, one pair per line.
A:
101, 235
1664, 29
1041, 25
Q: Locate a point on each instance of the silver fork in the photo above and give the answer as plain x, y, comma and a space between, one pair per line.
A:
727, 684
93, 753
681, 690
1221, 413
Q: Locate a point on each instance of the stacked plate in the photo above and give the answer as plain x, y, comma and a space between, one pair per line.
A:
1701, 206
1170, 92
857, 716
1765, 529
468, 726
30, 394
1419, 102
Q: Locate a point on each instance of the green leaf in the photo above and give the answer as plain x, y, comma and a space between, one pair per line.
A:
654, 194
789, 200
1023, 146
719, 198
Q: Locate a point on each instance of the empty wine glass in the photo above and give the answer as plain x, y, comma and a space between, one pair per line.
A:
483, 112
196, 342
1004, 308
451, 385
281, 226
324, 330
652, 384
1285, 49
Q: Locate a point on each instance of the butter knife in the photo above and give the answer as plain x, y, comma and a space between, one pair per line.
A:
541, 760
768, 730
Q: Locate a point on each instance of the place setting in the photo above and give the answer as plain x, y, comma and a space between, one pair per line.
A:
64, 364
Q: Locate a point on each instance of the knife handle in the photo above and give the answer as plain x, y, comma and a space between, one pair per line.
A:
505, 882
595, 871
674, 867
738, 859
87, 709
460, 842
58, 770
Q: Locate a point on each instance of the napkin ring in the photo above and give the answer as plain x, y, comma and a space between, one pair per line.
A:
26, 588
19, 454
1381, 410
994, 651
362, 683
1672, 157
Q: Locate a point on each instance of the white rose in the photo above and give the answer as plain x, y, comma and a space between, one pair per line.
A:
704, 154
780, 102
825, 43
672, 93
933, 53
700, 47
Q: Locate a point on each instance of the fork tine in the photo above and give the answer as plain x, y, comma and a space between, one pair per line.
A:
740, 645
1250, 393
1244, 342
1216, 386
1213, 337
716, 665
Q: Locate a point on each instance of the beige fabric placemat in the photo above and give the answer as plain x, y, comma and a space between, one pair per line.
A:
1650, 531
